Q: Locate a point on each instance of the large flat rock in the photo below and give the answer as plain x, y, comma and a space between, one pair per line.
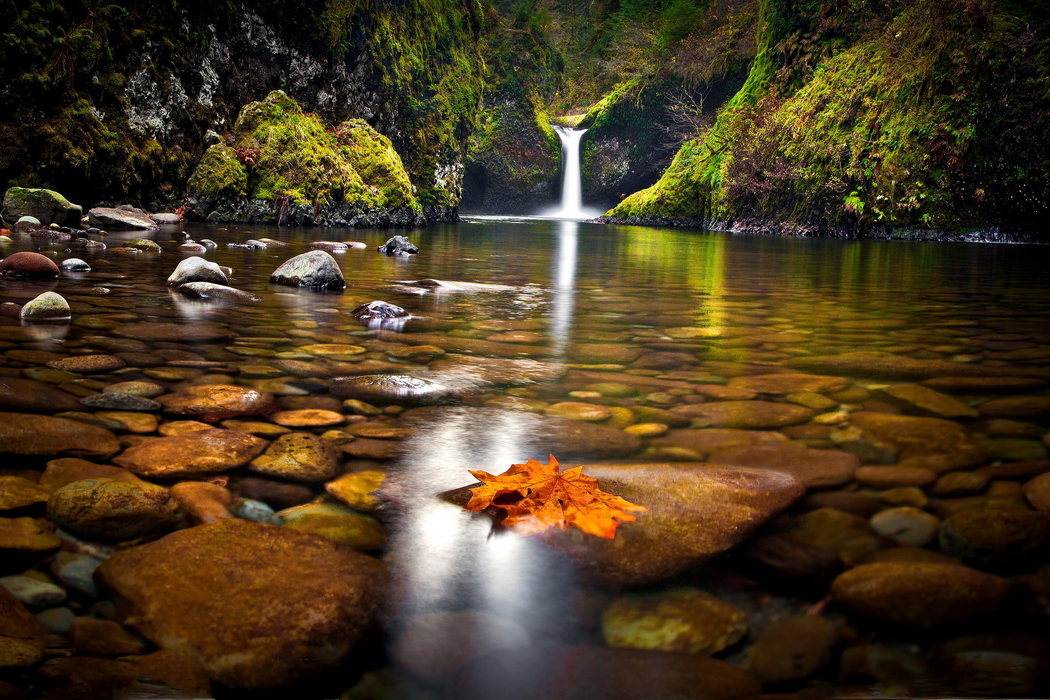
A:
259, 606
696, 511
196, 454
29, 434
34, 397
814, 468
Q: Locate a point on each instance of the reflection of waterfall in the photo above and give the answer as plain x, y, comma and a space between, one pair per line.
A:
571, 191
564, 285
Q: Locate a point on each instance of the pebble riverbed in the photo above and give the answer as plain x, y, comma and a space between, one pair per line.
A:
842, 446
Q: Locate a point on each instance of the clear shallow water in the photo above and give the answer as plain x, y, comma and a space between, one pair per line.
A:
769, 299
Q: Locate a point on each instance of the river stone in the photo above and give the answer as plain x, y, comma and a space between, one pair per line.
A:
215, 402
152, 331
793, 648
113, 510
16, 492
308, 418
602, 353
113, 401
296, 607
686, 620
316, 269
22, 638
60, 472
46, 206
76, 572
981, 385
894, 477
122, 217
888, 365
27, 265
747, 415
377, 311
191, 455
907, 526
483, 371
927, 443
32, 591
696, 511
919, 594
27, 535
18, 394
846, 534
298, 457
996, 538
781, 384
143, 244
706, 441
359, 490
920, 399
1037, 491
1034, 407
46, 307
390, 389
147, 390
204, 501
74, 265
398, 245
813, 468
207, 290
338, 523
88, 364
28, 434
577, 410
586, 673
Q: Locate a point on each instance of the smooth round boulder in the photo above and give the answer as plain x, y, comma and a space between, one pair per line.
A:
906, 526
74, 265
113, 510
299, 457
27, 265
686, 620
212, 403
209, 290
996, 538
295, 608
197, 269
377, 311
316, 269
338, 523
915, 594
190, 455
390, 389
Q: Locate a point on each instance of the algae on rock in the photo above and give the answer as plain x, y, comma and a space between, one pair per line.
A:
287, 167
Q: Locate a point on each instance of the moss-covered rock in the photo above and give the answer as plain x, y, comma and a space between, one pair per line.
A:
876, 121
287, 167
47, 206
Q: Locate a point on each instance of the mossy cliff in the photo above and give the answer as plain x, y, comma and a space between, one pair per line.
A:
874, 119
514, 157
111, 102
286, 167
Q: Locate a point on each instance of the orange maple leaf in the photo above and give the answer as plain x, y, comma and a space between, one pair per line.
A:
536, 497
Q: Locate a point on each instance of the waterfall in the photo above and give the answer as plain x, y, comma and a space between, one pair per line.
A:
571, 191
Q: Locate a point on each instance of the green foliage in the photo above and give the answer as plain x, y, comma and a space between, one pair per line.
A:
375, 160
888, 131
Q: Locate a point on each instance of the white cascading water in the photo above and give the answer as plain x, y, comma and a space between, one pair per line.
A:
571, 190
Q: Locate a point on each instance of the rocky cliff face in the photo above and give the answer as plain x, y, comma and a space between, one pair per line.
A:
113, 102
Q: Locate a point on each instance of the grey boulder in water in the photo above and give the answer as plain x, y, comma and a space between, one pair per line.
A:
316, 269
398, 245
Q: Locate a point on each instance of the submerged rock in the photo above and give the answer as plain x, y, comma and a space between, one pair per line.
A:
297, 606
748, 415
17, 394
814, 468
391, 389
686, 620
199, 453
215, 402
208, 290
299, 457
27, 434
398, 245
338, 523
113, 510
316, 269
196, 269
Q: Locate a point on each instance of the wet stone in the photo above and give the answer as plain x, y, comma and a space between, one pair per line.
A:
27, 434
192, 454
215, 402
308, 418
298, 457
1034, 407
18, 394
338, 523
32, 591
88, 364
16, 492
27, 535
919, 595
687, 620
577, 410
927, 443
813, 468
894, 477
276, 494
153, 331
925, 401
906, 526
259, 428
196, 269
181, 427
113, 510
316, 269
996, 539
980, 385
749, 415
328, 596
706, 441
1037, 491
781, 384
22, 638
27, 265
959, 484
60, 472
46, 307
76, 572
359, 490
113, 401
391, 389
793, 648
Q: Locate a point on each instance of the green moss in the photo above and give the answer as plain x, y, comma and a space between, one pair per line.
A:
219, 174
376, 161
